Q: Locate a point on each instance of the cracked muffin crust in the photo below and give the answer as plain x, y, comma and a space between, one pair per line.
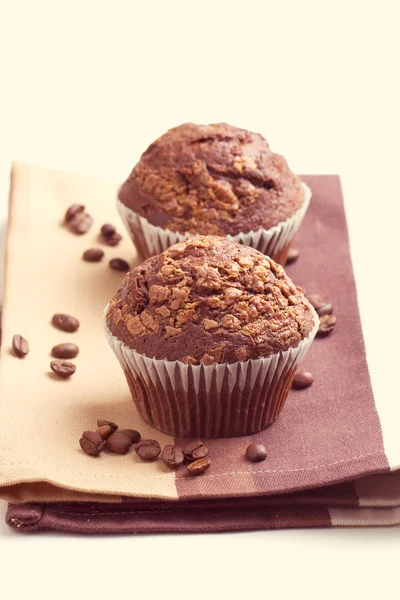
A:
209, 300
212, 180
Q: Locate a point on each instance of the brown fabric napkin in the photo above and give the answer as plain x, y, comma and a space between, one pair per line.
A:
327, 434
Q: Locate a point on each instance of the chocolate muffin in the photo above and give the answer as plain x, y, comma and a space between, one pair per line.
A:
209, 334
212, 180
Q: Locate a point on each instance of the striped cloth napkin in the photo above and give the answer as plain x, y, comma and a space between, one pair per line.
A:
327, 461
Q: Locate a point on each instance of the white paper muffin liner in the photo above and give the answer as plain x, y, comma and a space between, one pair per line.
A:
210, 401
274, 242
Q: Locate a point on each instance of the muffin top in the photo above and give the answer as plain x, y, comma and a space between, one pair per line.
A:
212, 179
209, 300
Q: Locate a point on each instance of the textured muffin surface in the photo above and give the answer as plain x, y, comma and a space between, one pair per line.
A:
209, 300
212, 179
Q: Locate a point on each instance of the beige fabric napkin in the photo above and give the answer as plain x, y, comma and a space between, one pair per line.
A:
326, 434
43, 417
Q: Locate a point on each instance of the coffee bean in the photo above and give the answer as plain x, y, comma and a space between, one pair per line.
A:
107, 229
113, 239
195, 450
65, 351
119, 443
102, 422
292, 256
81, 223
302, 380
20, 346
321, 306
172, 456
65, 322
92, 443
326, 325
119, 264
327, 309
316, 301
199, 466
133, 434
256, 452
73, 211
105, 431
62, 368
93, 255
148, 449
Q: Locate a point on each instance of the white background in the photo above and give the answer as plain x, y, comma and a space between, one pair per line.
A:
86, 85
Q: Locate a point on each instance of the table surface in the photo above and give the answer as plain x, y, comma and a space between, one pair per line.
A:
86, 86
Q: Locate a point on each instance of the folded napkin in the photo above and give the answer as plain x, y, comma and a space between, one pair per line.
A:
326, 462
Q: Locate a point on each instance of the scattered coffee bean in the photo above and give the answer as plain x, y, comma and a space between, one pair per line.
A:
321, 306
199, 466
119, 264
62, 368
73, 211
172, 456
105, 431
81, 223
65, 350
148, 449
292, 256
302, 380
195, 450
326, 325
133, 434
119, 443
20, 346
113, 240
256, 452
316, 301
65, 322
327, 309
107, 230
92, 443
101, 422
110, 235
93, 255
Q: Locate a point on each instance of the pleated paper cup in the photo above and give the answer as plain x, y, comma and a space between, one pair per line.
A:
274, 242
210, 401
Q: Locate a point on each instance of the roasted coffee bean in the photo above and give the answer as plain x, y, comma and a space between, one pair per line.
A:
327, 309
199, 466
195, 450
92, 443
133, 434
302, 380
93, 255
65, 322
119, 264
62, 368
256, 452
113, 239
81, 223
292, 256
101, 422
107, 229
105, 431
73, 211
65, 350
172, 456
148, 449
20, 346
326, 325
119, 443
321, 306
316, 301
